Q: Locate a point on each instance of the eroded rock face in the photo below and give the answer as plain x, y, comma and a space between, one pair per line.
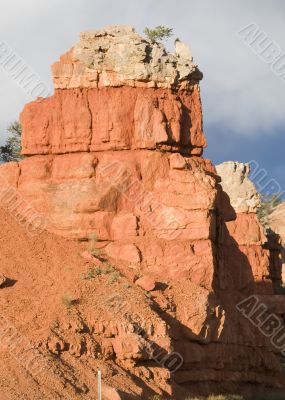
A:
118, 56
277, 220
246, 230
124, 118
123, 93
117, 152
260, 246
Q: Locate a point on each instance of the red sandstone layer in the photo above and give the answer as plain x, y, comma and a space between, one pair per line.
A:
77, 120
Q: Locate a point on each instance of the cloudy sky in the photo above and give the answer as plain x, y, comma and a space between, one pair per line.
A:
243, 99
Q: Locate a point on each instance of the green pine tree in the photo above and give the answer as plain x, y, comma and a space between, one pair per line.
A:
158, 34
11, 151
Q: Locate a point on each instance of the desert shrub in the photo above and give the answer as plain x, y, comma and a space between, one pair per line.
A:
115, 276
89, 275
158, 34
99, 271
126, 286
68, 300
95, 252
11, 151
93, 239
109, 269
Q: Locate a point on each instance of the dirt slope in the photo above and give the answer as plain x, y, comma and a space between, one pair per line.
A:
50, 341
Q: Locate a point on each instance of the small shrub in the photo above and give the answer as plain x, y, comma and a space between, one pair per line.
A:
99, 271
109, 269
126, 286
89, 275
93, 237
114, 277
68, 300
95, 252
158, 33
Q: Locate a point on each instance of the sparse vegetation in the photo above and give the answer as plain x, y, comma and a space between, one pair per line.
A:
126, 286
68, 300
158, 33
95, 252
99, 271
89, 275
156, 397
11, 151
93, 237
268, 204
115, 276
109, 269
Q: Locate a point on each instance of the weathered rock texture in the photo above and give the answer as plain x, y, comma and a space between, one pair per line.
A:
276, 222
123, 93
246, 230
261, 247
118, 56
116, 152
243, 195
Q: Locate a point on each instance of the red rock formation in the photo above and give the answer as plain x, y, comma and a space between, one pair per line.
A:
117, 152
245, 230
112, 118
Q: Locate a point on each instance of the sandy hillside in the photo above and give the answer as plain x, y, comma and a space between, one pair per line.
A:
50, 342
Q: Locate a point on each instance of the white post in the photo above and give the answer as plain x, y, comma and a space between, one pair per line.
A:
99, 385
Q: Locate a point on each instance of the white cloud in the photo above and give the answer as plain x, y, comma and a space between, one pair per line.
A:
239, 91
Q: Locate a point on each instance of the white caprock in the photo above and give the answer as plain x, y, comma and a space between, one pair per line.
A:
183, 51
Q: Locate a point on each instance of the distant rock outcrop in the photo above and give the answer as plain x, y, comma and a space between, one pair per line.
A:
261, 245
236, 183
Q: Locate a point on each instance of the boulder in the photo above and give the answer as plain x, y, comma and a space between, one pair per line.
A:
146, 283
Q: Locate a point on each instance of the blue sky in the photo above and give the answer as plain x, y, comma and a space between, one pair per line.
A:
243, 100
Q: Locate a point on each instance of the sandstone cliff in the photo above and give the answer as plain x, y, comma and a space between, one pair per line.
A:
117, 152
